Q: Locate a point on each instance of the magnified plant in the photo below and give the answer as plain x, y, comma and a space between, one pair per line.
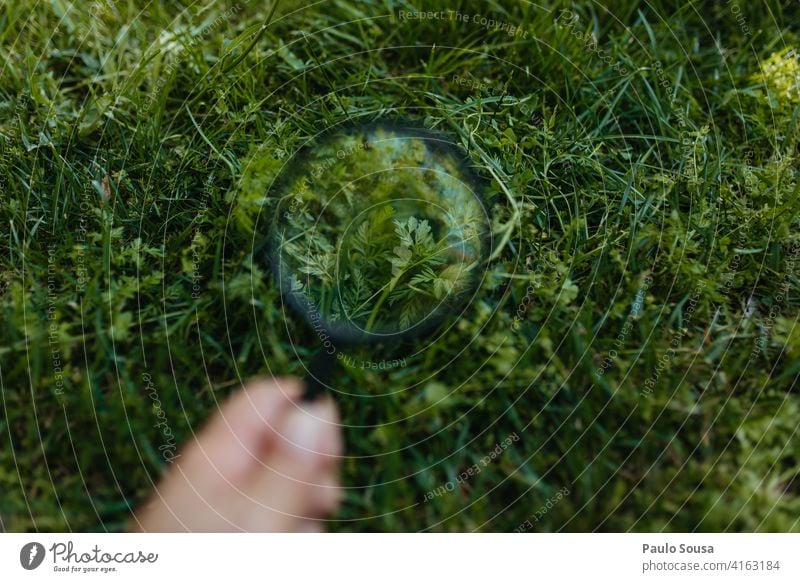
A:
379, 232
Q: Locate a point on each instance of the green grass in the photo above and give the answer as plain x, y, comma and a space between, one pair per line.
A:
637, 329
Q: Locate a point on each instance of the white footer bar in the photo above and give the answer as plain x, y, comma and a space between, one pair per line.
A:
401, 557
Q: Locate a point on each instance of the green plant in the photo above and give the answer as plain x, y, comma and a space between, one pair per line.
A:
398, 236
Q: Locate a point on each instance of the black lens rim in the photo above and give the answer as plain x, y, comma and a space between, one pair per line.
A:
345, 334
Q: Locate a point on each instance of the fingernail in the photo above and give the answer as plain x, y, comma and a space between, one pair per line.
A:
305, 427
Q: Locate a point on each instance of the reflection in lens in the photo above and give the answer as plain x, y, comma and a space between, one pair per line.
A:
378, 231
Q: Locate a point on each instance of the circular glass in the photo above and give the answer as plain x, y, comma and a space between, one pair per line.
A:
379, 232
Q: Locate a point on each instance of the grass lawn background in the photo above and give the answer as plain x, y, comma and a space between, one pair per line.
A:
637, 329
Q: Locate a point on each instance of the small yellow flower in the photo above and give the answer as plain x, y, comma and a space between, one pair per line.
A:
780, 73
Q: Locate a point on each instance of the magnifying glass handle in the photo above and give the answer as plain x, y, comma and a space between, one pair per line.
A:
319, 374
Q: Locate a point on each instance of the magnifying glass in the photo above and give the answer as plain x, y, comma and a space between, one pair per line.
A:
380, 233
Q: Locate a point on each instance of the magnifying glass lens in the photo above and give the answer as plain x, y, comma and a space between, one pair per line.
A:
379, 233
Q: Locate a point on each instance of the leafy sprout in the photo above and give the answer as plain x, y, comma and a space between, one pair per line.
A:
385, 231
